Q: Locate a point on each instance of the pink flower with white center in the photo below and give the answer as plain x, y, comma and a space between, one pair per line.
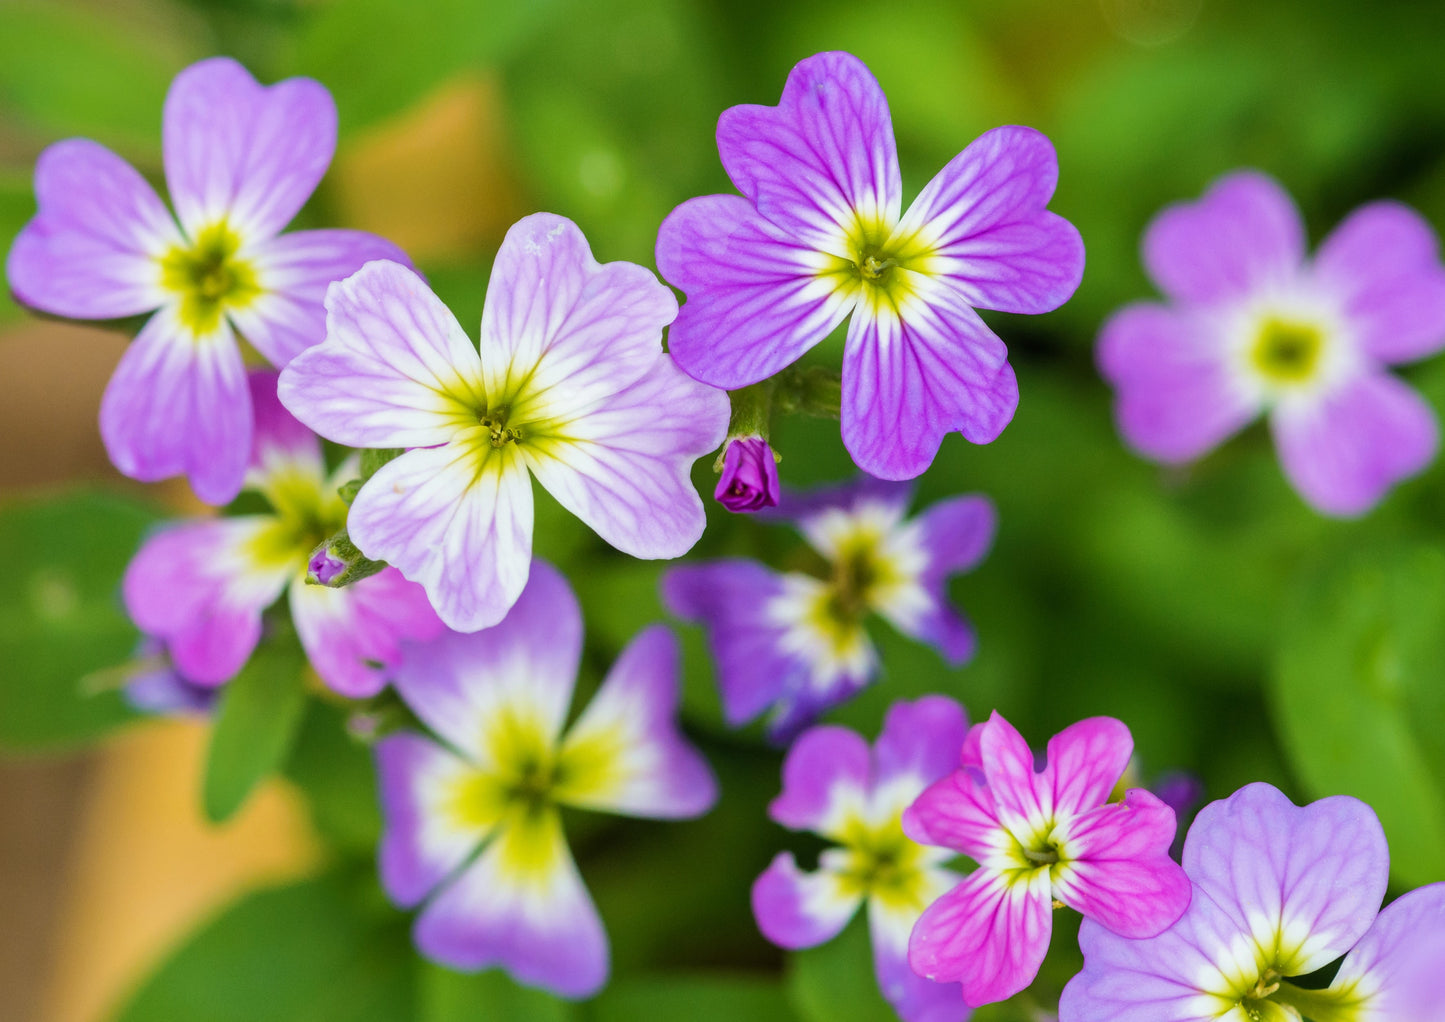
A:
1040, 837
241, 160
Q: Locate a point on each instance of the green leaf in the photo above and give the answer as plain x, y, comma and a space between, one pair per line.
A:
256, 723
696, 998
60, 615
490, 996
835, 982
1356, 694
336, 773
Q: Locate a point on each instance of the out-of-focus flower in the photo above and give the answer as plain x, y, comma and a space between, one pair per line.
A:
796, 643
571, 385
498, 698
1040, 837
240, 160
1280, 891
837, 787
1254, 327
202, 586
749, 479
818, 234
153, 685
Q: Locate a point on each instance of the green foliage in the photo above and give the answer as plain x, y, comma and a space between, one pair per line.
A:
834, 982
695, 998
335, 772
447, 996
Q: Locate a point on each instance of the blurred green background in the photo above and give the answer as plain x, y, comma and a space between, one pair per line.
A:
1239, 635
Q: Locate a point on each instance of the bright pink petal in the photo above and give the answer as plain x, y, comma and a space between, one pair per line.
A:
958, 811
914, 998
1086, 761
827, 779
1024, 797
795, 909
920, 741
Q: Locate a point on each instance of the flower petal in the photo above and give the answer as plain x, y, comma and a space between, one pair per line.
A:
1388, 966
93, 247
920, 741
1344, 451
1024, 796
243, 153
1305, 881
795, 909
393, 367
827, 778
178, 404
281, 447
914, 998
1086, 761
958, 811
455, 521
755, 299
956, 534
823, 159
985, 222
626, 754
521, 906
1244, 234
460, 683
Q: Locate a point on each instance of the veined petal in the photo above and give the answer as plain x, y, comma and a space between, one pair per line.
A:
823, 160
914, 998
456, 521
795, 909
178, 404
755, 298
521, 906
624, 466
463, 684
1023, 796
920, 741
626, 753
281, 448
985, 223
827, 780
1304, 883
1388, 969
958, 811
955, 534
243, 153
1085, 763
93, 249
293, 272
395, 370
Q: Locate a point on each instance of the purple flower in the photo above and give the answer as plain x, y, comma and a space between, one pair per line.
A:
819, 234
796, 643
202, 586
835, 786
1254, 327
749, 477
498, 699
154, 685
1279, 891
240, 160
1040, 836
571, 385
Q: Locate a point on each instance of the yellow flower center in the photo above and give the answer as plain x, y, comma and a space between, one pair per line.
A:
880, 268
209, 278
1287, 352
883, 863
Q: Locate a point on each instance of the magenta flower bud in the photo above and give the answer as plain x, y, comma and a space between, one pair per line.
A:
324, 567
749, 477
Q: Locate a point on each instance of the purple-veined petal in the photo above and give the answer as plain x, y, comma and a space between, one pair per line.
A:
624, 465
243, 153
821, 161
280, 445
755, 299
827, 778
958, 811
395, 370
985, 223
1305, 882
920, 740
626, 754
456, 521
1390, 967
1086, 761
956, 534
353, 636
914, 998
990, 934
1175, 396
914, 374
1023, 796
293, 272
1345, 450
521, 906
1244, 234
93, 249
179, 404
459, 682
797, 909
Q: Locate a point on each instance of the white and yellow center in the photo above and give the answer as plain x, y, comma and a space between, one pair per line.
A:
209, 278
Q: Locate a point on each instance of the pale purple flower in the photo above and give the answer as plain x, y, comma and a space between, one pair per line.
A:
472, 826
1040, 836
796, 643
202, 586
1280, 891
819, 234
571, 385
1256, 327
240, 161
154, 685
749, 480
837, 787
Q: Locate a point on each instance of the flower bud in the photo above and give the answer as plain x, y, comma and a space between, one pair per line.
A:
749, 476
337, 563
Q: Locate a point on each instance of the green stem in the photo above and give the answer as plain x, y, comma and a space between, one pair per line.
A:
1319, 1005
811, 390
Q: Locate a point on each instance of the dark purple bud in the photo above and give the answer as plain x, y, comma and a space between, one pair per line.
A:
749, 477
324, 567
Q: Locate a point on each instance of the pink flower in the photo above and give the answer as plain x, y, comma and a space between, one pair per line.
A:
750, 476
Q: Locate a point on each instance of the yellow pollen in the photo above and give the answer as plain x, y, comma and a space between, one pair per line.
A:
209, 278
1287, 352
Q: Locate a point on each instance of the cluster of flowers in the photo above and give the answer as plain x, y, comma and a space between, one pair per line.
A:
411, 564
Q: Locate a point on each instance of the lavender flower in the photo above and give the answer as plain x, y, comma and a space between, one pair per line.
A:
749, 479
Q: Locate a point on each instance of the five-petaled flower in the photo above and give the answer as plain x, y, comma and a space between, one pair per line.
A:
1253, 327
819, 233
202, 587
1040, 837
1280, 891
749, 480
241, 160
837, 787
571, 383
498, 698
795, 642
